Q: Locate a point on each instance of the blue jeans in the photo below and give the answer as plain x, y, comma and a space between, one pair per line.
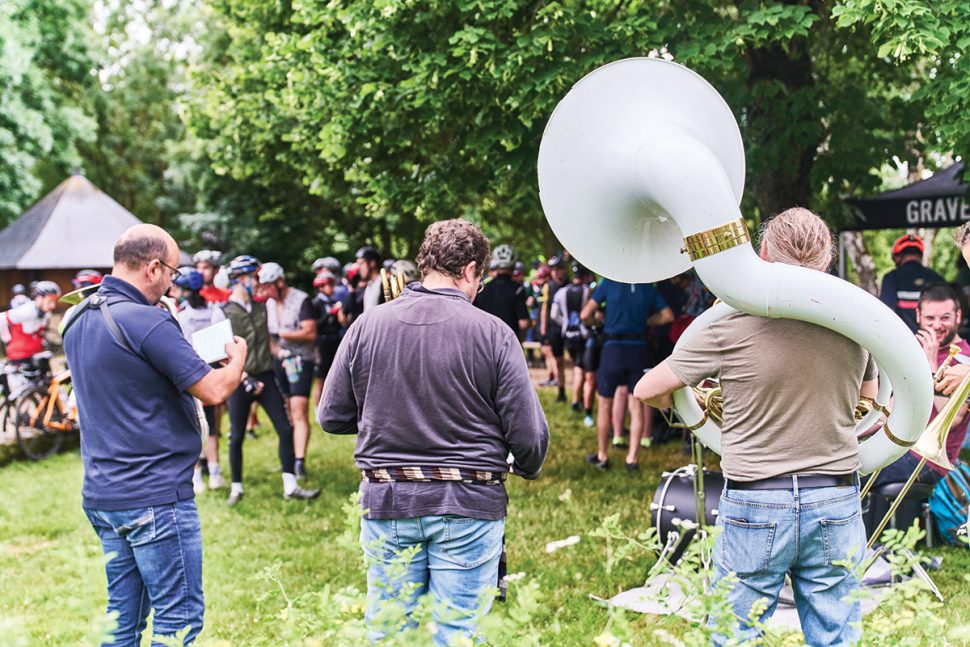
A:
456, 561
809, 533
155, 563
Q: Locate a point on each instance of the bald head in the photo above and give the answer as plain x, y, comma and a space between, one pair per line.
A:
143, 243
145, 256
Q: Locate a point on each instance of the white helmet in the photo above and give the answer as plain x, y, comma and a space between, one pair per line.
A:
503, 258
407, 268
270, 272
221, 279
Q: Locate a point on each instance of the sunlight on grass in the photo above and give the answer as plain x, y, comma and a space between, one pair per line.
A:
52, 588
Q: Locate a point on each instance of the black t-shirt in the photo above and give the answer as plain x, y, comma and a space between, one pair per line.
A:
328, 326
901, 289
505, 299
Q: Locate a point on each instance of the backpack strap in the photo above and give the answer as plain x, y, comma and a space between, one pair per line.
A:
99, 301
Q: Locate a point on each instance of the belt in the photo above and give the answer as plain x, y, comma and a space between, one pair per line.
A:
792, 481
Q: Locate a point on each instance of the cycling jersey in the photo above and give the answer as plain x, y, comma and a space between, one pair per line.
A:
25, 326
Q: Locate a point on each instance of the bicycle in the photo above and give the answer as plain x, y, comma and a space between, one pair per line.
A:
43, 415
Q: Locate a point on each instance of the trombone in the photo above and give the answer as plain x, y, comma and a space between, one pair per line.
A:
931, 447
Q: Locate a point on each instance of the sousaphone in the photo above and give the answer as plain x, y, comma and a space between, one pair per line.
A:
641, 172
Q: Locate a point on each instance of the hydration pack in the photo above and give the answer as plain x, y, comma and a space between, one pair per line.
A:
573, 332
950, 505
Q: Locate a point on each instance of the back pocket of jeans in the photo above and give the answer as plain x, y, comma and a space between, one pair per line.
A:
745, 546
137, 527
472, 542
844, 540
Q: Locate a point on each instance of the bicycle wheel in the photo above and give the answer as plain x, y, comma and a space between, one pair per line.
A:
35, 439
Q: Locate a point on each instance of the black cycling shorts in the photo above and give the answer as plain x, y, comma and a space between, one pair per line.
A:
554, 339
326, 352
299, 388
621, 364
577, 351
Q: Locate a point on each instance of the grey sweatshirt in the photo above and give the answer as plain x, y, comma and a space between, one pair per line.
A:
429, 380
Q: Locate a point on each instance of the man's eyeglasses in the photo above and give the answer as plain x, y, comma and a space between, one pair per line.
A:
175, 273
481, 284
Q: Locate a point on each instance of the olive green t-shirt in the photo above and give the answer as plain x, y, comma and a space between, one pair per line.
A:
790, 390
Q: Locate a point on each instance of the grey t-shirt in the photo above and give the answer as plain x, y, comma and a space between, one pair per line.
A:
790, 389
429, 380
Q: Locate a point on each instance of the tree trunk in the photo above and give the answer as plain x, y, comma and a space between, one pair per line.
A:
865, 267
783, 119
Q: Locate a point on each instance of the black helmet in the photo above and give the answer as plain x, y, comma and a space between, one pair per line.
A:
369, 253
580, 269
556, 261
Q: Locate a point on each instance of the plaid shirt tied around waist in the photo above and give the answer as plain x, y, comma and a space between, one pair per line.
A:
419, 474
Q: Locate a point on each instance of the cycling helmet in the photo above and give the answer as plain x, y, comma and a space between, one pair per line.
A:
325, 276
369, 253
580, 270
556, 262
47, 288
270, 273
190, 278
244, 264
221, 279
503, 257
332, 264
84, 278
209, 256
327, 263
409, 269
19, 289
519, 267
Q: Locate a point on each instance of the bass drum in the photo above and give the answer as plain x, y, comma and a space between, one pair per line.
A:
673, 503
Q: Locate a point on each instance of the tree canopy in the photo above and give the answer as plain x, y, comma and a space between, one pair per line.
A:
293, 128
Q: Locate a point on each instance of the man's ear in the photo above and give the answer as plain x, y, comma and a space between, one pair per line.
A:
764, 251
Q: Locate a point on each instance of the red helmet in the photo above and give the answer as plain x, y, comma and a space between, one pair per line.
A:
323, 278
908, 241
84, 278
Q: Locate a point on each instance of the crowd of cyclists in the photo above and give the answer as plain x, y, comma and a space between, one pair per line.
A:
293, 336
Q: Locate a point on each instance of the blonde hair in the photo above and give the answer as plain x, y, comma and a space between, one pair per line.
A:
961, 235
797, 236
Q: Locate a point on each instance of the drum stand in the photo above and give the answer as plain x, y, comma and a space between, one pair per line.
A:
698, 525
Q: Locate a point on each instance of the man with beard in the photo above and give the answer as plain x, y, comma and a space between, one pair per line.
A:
939, 316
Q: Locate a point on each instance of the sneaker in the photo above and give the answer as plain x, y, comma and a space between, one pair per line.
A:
619, 441
561, 397
234, 498
646, 442
198, 485
252, 434
594, 460
216, 482
588, 421
632, 467
301, 493
548, 383
575, 407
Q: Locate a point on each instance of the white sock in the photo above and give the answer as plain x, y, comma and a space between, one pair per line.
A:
289, 483
197, 473
236, 488
214, 469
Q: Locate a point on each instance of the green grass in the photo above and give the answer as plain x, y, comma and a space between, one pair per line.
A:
51, 569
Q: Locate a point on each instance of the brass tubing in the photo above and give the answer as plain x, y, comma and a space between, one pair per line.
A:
386, 284
869, 484
892, 508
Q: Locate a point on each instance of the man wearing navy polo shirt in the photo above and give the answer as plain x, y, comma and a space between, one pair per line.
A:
135, 376
629, 309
